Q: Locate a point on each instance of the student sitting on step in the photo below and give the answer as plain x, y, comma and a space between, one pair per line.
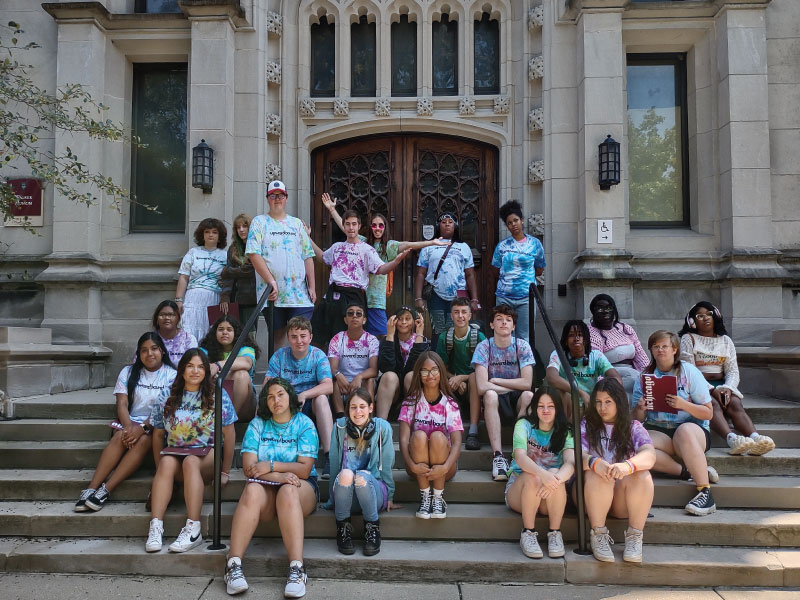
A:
138, 388
362, 455
617, 457
278, 454
504, 374
587, 365
183, 447
684, 434
706, 345
456, 347
430, 433
544, 461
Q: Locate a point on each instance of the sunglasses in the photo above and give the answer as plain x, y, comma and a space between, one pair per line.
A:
353, 313
378, 226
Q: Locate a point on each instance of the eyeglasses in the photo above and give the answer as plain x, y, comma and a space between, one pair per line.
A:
604, 309
353, 313
432, 372
704, 316
378, 226
662, 348
167, 316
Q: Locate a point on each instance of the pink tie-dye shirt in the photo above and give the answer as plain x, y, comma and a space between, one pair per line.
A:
351, 264
443, 415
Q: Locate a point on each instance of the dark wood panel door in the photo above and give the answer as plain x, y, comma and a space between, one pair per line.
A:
411, 179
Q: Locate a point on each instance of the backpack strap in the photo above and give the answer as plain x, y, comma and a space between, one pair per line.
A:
449, 345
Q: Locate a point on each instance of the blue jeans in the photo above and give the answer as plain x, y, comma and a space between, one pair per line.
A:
376, 321
348, 499
441, 320
521, 306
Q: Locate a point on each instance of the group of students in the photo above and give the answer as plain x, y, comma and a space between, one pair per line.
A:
342, 400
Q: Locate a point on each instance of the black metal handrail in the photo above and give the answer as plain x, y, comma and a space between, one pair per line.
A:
246, 328
535, 299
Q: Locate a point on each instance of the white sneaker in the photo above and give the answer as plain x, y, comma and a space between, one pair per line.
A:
188, 538
499, 468
555, 544
633, 545
154, 543
296, 582
761, 445
740, 445
601, 544
713, 476
234, 577
529, 543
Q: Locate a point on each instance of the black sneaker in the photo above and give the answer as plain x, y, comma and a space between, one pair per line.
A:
96, 501
80, 505
424, 510
702, 504
472, 442
372, 537
326, 468
344, 537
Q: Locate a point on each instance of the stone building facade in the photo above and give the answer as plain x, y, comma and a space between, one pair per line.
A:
512, 106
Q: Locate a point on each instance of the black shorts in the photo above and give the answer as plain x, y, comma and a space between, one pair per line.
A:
671, 432
312, 481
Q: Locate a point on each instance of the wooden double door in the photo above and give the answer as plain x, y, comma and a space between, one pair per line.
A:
411, 179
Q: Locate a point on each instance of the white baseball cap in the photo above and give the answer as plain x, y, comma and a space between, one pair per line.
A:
276, 186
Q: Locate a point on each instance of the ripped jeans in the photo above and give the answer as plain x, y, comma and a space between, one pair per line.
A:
349, 498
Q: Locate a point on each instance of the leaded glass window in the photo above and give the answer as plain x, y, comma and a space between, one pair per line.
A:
404, 57
158, 168
362, 58
323, 59
445, 57
487, 55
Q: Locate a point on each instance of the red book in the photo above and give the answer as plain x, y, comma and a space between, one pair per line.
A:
655, 390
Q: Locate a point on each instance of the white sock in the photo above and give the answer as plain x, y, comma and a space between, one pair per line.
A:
195, 525
296, 563
234, 560
159, 521
438, 493
731, 438
754, 435
425, 492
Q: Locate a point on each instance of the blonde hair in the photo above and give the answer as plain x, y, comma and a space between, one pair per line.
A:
676, 346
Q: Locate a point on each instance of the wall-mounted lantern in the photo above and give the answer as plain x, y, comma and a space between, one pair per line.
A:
203, 167
609, 173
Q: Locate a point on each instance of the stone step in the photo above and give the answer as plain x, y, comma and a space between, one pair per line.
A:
436, 562
487, 522
736, 491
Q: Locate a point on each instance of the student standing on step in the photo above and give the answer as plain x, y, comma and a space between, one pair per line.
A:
183, 447
705, 344
353, 355
238, 278
587, 365
504, 374
430, 434
217, 345
138, 388
617, 457
198, 276
544, 461
380, 286
684, 435
307, 368
362, 455
166, 322
281, 253
278, 454
456, 348
519, 260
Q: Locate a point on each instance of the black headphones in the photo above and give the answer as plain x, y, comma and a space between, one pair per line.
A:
574, 361
362, 433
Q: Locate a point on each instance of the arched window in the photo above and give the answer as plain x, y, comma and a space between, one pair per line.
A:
404, 57
445, 57
362, 58
487, 55
323, 59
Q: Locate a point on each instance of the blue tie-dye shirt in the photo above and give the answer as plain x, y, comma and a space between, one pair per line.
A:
517, 262
282, 442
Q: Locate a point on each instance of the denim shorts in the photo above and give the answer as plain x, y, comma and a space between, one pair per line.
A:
511, 479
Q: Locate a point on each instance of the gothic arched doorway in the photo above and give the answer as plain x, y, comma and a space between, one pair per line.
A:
411, 178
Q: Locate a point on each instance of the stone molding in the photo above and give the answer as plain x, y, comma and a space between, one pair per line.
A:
341, 107
273, 72
536, 120
466, 106
273, 124
424, 107
536, 67
274, 23
383, 107
502, 104
536, 171
307, 108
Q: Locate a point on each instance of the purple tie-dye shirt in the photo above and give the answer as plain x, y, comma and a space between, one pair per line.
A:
351, 264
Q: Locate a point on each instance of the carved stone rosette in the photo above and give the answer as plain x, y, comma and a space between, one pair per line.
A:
502, 104
308, 108
535, 17
466, 106
383, 107
341, 107
273, 124
536, 67
274, 23
272, 172
424, 107
536, 171
536, 120
536, 224
273, 72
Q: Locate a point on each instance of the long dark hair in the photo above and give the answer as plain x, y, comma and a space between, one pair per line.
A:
621, 442
179, 385
212, 345
611, 304
162, 305
371, 239
361, 394
583, 328
237, 243
263, 410
137, 366
560, 426
415, 389
690, 321
676, 345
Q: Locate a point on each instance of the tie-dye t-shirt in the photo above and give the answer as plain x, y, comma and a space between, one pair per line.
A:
505, 363
203, 268
586, 375
353, 459
517, 262
692, 387
177, 346
443, 415
451, 276
537, 445
351, 264
244, 352
376, 290
282, 442
148, 390
639, 436
285, 246
353, 355
190, 426
303, 374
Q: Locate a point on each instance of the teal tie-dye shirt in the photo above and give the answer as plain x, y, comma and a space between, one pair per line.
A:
282, 442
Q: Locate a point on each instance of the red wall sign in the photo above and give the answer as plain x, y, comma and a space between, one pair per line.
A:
29, 204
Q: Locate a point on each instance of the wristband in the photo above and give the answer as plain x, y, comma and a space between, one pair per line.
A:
224, 473
592, 460
632, 466
178, 299
594, 465
271, 466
